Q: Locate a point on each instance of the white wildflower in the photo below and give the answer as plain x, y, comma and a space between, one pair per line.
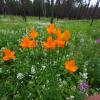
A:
84, 75
43, 67
33, 69
72, 97
87, 94
20, 76
85, 69
67, 98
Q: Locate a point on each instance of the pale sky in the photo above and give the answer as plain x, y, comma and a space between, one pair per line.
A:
93, 2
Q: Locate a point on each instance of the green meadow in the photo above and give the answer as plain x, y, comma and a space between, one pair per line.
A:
37, 74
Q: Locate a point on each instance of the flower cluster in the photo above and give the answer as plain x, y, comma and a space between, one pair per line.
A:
8, 55
61, 38
57, 40
30, 43
71, 66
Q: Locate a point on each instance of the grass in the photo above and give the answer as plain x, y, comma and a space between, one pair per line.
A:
53, 82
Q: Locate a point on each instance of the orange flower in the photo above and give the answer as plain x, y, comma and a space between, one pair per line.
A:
58, 33
32, 44
27, 43
71, 66
51, 29
66, 36
34, 34
8, 55
60, 43
50, 44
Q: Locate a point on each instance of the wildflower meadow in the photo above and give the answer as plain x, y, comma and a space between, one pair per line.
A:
43, 61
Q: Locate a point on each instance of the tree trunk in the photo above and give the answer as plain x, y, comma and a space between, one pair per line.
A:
39, 11
93, 14
23, 14
52, 11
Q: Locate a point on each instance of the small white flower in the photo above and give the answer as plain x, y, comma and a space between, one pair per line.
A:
33, 69
97, 89
85, 69
72, 97
67, 55
3, 48
20, 76
67, 98
85, 75
87, 94
43, 67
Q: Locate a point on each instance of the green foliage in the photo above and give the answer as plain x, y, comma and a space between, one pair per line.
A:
43, 74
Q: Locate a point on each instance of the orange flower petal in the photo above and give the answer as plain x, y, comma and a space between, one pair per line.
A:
60, 43
5, 58
34, 34
66, 36
6, 51
50, 44
51, 29
58, 33
70, 66
8, 55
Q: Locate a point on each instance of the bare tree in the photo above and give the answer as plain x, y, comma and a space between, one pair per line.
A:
44, 8
3, 6
58, 7
72, 9
94, 12
88, 5
52, 11
22, 10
